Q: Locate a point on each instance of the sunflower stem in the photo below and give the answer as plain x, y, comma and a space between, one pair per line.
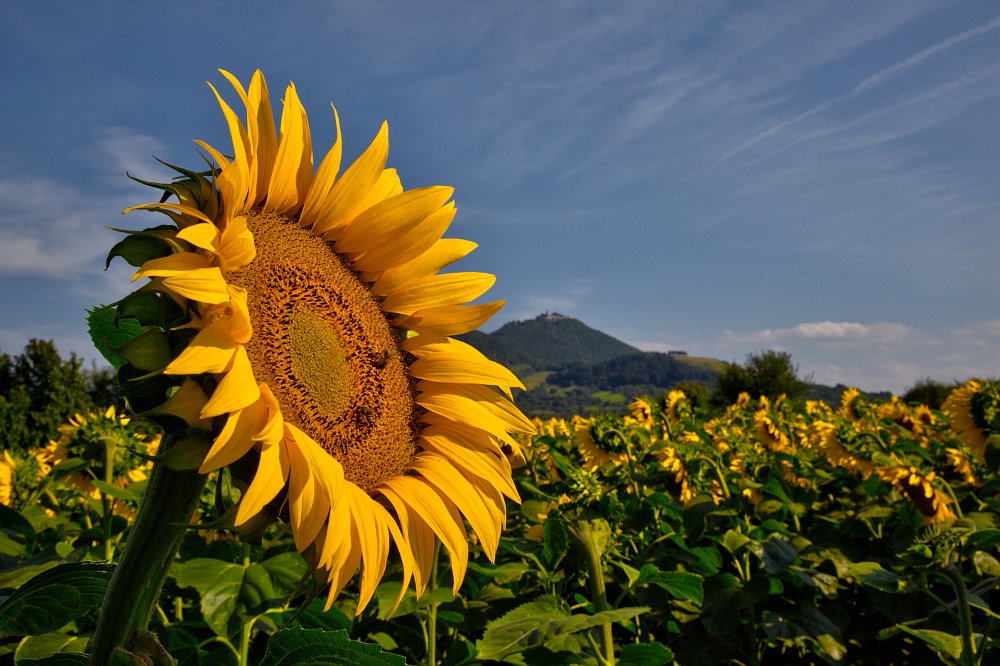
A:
432, 611
107, 502
166, 507
592, 537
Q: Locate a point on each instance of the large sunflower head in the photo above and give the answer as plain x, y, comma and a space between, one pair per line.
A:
296, 324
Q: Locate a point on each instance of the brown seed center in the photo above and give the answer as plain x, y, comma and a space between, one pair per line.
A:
324, 347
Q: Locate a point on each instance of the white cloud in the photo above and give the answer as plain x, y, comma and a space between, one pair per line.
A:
48, 228
835, 335
131, 152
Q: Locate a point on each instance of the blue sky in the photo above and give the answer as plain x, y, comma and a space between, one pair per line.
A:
719, 177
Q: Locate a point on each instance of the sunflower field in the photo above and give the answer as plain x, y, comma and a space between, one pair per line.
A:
770, 532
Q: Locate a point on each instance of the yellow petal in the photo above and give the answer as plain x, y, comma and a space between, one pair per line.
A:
173, 264
185, 210
455, 361
403, 246
236, 437
451, 319
439, 513
308, 505
236, 390
397, 215
325, 178
266, 140
236, 246
204, 235
186, 403
472, 456
341, 205
443, 253
435, 290
446, 403
211, 350
205, 285
292, 170
405, 555
272, 472
420, 540
374, 539
451, 484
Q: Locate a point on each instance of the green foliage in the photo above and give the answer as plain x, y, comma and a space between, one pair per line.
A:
772, 532
768, 373
38, 392
927, 391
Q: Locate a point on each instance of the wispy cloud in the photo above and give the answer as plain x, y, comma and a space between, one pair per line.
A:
836, 335
877, 79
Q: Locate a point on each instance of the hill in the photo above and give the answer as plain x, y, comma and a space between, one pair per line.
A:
570, 368
548, 342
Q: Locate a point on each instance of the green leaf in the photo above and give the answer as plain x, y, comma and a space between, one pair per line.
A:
723, 605
42, 648
508, 572
873, 575
150, 350
986, 564
733, 541
58, 659
218, 583
939, 641
645, 654
777, 554
683, 586
545, 621
313, 647
114, 491
53, 598
105, 334
555, 542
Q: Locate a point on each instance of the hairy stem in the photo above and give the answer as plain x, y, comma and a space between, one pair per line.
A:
166, 507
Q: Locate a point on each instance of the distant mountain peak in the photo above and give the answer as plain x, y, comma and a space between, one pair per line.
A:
547, 342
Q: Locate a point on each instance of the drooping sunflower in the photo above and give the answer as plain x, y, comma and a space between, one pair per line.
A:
315, 343
934, 504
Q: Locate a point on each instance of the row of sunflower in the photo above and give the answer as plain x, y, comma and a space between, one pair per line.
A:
864, 533
848, 535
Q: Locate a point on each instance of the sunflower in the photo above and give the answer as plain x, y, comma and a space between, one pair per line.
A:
931, 502
88, 437
319, 349
22, 474
960, 409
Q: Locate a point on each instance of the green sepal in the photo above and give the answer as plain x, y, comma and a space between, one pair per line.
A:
137, 249
149, 351
186, 454
107, 334
150, 308
142, 392
143, 649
